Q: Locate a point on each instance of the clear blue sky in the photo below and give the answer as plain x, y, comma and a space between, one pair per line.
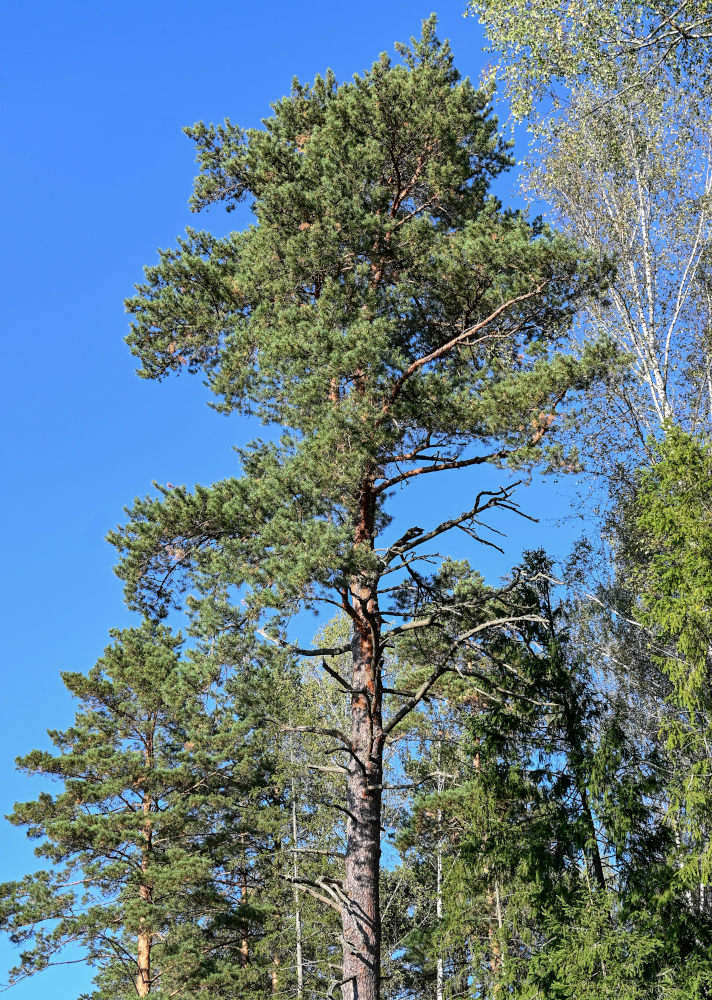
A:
95, 176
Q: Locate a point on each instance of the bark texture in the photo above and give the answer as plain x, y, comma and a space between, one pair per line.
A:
361, 920
145, 936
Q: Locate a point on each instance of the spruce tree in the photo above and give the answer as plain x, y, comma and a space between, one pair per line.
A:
566, 878
391, 321
664, 555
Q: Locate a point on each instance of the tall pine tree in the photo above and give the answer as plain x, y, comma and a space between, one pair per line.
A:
392, 322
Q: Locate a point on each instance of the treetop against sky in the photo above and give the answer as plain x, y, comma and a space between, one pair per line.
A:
113, 99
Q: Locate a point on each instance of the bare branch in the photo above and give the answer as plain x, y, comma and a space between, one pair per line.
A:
299, 651
460, 463
313, 889
337, 677
335, 734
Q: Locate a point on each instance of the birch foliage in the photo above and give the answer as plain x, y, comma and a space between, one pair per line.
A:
633, 181
542, 49
617, 98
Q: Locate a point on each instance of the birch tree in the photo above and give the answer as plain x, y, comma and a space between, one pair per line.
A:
542, 50
633, 181
618, 102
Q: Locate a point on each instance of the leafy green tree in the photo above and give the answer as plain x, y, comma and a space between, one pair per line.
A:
392, 322
158, 787
618, 101
609, 762
665, 554
515, 809
640, 193
618, 47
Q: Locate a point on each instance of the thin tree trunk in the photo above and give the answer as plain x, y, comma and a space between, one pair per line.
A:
295, 872
493, 902
578, 773
145, 935
244, 949
495, 944
361, 917
143, 979
439, 977
595, 852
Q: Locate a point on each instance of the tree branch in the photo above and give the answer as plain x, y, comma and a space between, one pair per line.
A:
454, 342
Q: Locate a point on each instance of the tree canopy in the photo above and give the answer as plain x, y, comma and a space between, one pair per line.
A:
368, 768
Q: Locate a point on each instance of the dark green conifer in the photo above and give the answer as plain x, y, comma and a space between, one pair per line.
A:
159, 789
565, 871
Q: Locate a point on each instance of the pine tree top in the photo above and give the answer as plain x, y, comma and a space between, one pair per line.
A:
383, 311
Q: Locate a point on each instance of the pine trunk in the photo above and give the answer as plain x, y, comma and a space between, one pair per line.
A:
361, 922
145, 935
143, 979
244, 946
439, 970
361, 916
295, 873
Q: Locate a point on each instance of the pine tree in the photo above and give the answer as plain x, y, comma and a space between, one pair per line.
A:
158, 785
393, 322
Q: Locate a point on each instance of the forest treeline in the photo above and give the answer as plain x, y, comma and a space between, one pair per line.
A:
457, 787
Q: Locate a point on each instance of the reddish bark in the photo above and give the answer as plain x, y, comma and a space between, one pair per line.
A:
244, 948
143, 979
145, 935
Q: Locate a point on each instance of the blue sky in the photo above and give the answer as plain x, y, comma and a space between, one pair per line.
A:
96, 175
